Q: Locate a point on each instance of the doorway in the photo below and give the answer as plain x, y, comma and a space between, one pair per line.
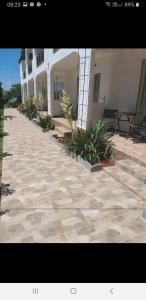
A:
141, 100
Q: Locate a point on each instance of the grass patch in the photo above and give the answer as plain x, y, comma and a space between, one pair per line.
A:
1, 138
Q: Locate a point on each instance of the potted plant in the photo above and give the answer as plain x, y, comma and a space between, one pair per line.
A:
91, 147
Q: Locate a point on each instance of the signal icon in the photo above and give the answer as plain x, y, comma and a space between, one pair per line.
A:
35, 291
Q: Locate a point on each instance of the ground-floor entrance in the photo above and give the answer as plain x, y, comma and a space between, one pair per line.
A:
141, 101
65, 76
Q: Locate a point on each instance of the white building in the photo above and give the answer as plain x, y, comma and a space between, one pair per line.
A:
96, 79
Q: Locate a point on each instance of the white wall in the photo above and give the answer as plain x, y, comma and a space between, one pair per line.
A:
126, 79
120, 78
71, 85
103, 65
69, 78
31, 89
52, 59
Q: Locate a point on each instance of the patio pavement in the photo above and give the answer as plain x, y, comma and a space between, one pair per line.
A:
129, 147
54, 199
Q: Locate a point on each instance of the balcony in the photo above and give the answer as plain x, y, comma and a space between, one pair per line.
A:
56, 49
24, 75
22, 55
30, 69
40, 58
30, 56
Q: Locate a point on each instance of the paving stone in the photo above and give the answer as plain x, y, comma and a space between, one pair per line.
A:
57, 200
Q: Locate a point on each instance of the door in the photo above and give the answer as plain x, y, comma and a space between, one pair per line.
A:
98, 99
141, 100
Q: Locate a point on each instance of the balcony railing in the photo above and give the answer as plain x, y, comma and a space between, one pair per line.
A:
40, 58
24, 74
30, 69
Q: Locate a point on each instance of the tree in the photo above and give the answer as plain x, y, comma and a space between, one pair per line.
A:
15, 91
67, 108
6, 96
1, 93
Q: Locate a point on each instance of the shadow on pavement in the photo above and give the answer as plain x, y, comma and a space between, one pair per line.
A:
5, 190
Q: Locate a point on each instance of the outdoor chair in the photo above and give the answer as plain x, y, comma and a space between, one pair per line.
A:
138, 130
109, 117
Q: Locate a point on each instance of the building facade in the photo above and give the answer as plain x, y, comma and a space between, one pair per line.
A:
96, 79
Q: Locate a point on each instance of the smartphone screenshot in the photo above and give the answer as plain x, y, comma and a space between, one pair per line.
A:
72, 145
73, 291
45, 4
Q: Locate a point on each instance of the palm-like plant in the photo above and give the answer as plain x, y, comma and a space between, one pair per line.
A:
67, 108
41, 101
92, 145
21, 108
46, 122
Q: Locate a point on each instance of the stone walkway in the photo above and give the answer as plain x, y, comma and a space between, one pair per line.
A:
54, 199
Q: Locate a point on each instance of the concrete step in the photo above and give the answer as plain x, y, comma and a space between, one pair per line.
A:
118, 155
56, 133
127, 180
133, 168
62, 123
64, 131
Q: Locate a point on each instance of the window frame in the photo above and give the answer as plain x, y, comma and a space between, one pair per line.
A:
58, 91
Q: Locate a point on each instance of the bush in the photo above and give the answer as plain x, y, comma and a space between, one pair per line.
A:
46, 122
21, 108
92, 145
30, 111
11, 105
67, 108
7, 105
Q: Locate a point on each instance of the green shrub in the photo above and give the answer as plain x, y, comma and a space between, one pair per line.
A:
7, 105
27, 101
46, 122
21, 108
67, 108
92, 145
14, 105
31, 111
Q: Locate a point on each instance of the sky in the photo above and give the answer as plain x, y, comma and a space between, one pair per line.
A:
9, 67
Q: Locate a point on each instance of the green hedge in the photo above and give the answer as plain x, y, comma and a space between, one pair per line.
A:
1, 137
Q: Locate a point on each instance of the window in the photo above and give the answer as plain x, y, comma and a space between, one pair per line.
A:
30, 56
96, 87
39, 56
58, 88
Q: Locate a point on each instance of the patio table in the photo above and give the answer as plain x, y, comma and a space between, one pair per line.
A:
119, 116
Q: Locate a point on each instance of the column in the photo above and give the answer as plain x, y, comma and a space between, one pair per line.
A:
84, 80
50, 99
35, 87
